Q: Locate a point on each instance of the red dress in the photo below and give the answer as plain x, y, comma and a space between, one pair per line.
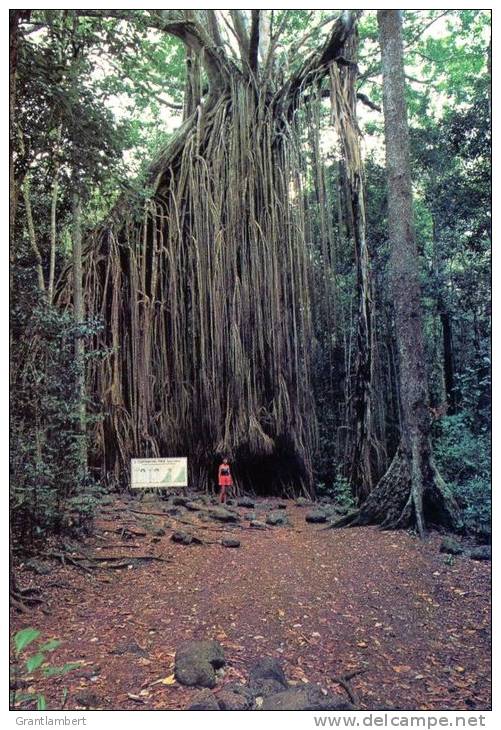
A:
224, 476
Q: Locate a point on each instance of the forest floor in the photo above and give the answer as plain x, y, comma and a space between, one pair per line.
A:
414, 624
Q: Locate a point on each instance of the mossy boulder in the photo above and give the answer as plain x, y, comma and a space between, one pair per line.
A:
450, 546
196, 662
482, 552
305, 697
316, 516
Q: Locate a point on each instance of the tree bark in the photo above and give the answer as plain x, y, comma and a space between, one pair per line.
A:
193, 86
13, 50
404, 268
411, 490
26, 188
365, 461
448, 347
78, 315
53, 214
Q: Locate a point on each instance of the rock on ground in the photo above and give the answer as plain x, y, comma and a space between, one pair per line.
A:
303, 502
305, 697
194, 506
37, 567
204, 701
223, 515
230, 542
266, 677
276, 518
182, 537
131, 647
246, 502
235, 698
316, 516
263, 506
87, 699
451, 546
268, 668
483, 552
196, 661
257, 524
180, 501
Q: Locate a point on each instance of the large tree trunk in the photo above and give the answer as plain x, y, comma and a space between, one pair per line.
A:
206, 296
365, 457
208, 306
411, 491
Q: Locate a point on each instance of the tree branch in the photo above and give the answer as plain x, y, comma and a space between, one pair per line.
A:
274, 38
186, 26
265, 21
214, 28
296, 46
254, 40
428, 25
317, 64
365, 100
240, 26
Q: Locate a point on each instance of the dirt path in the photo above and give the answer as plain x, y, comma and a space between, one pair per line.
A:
326, 602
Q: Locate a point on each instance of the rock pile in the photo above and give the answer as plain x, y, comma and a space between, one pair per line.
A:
267, 688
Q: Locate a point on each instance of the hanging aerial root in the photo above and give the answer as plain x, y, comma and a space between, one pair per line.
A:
204, 292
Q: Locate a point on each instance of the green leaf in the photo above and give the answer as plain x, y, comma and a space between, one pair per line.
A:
25, 637
41, 703
20, 698
51, 645
34, 662
55, 671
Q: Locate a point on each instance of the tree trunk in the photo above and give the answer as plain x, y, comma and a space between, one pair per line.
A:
448, 364
206, 298
411, 491
193, 86
13, 49
26, 188
79, 315
15, 17
448, 347
365, 457
53, 219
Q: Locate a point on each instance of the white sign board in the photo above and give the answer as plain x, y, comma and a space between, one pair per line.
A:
159, 473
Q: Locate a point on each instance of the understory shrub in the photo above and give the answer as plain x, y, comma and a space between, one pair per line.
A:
50, 487
463, 456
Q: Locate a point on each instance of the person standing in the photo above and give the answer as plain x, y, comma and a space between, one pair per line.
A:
224, 479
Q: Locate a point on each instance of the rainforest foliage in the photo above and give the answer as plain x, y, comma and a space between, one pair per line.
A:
200, 253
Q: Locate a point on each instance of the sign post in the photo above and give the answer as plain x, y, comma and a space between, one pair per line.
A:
159, 473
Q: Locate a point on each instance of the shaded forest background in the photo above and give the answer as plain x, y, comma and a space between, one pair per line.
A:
94, 100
